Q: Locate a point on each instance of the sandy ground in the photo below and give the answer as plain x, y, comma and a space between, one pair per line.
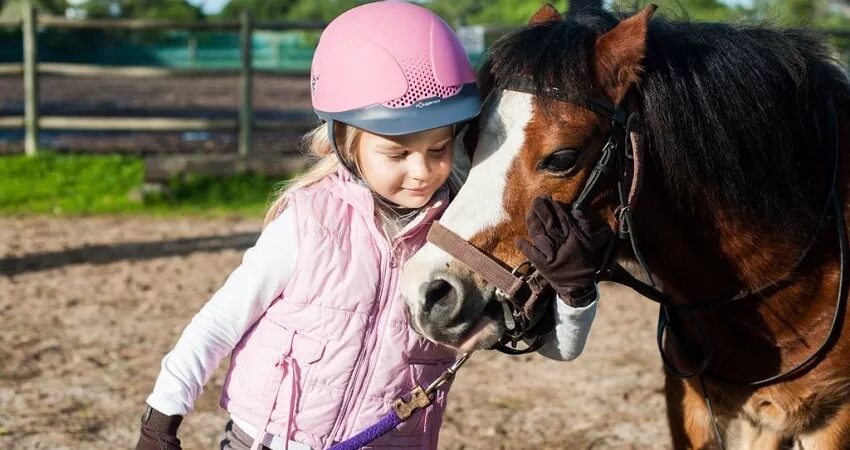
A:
90, 305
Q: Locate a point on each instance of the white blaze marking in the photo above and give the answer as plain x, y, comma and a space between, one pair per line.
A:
479, 203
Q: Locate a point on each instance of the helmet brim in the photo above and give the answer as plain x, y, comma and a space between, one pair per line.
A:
423, 115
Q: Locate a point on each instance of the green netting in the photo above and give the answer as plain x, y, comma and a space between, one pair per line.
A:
284, 51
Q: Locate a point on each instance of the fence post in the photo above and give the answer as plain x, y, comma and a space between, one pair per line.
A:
192, 50
246, 109
30, 80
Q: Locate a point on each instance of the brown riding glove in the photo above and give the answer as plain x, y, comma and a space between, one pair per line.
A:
564, 249
159, 432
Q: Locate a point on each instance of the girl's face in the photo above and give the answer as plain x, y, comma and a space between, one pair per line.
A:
407, 169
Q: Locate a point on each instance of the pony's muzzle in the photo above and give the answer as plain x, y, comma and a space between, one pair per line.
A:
441, 303
447, 307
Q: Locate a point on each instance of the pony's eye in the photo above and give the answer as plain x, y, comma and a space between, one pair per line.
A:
559, 161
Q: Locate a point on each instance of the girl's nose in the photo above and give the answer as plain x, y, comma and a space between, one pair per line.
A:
419, 168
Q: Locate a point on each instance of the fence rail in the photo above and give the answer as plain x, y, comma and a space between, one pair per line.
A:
11, 122
11, 69
32, 121
114, 123
137, 24
93, 70
136, 123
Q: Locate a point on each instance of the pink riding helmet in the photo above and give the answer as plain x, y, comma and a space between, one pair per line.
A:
392, 68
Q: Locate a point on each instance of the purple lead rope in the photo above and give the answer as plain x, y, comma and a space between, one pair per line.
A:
403, 409
363, 438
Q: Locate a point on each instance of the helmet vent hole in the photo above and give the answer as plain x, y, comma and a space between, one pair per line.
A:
421, 84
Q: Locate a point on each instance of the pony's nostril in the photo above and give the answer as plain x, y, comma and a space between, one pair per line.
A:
437, 291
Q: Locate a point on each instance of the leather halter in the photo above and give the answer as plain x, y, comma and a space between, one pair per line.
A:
518, 292
521, 288
624, 145
630, 149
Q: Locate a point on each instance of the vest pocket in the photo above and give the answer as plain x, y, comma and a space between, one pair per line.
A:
306, 349
428, 421
304, 352
258, 358
270, 352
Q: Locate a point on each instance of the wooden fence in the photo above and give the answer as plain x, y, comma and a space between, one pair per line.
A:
32, 121
161, 168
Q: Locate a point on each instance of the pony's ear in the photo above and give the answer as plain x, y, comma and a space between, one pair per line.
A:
619, 54
546, 13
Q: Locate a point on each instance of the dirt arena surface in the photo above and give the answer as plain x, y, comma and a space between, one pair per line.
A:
90, 305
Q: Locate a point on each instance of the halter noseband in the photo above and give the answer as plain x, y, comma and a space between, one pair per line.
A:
518, 290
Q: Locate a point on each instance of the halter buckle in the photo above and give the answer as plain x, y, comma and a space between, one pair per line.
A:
624, 218
520, 269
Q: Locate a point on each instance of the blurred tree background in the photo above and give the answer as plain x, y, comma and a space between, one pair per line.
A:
819, 13
828, 15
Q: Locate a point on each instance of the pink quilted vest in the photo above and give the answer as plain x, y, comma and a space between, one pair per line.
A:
329, 356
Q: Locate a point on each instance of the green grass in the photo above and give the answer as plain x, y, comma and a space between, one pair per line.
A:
92, 184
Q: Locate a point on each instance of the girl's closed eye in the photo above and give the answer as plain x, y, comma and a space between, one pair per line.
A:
398, 156
440, 150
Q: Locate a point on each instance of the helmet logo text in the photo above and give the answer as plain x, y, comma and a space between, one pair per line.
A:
424, 104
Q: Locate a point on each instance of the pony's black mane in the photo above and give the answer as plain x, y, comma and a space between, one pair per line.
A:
734, 116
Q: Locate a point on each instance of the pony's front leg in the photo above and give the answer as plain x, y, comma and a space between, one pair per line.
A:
690, 422
833, 435
754, 437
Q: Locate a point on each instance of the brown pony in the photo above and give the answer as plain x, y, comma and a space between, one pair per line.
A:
735, 138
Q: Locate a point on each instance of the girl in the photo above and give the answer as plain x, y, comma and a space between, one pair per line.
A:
320, 341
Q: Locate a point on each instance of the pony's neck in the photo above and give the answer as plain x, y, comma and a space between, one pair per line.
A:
703, 254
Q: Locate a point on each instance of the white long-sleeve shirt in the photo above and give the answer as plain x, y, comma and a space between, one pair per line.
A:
249, 291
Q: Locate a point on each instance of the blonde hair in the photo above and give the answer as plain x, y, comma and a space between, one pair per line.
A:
318, 148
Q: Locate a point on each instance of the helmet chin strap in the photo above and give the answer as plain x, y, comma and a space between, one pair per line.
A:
342, 159
356, 173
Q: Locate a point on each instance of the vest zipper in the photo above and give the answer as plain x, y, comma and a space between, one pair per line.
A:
339, 429
384, 301
354, 389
